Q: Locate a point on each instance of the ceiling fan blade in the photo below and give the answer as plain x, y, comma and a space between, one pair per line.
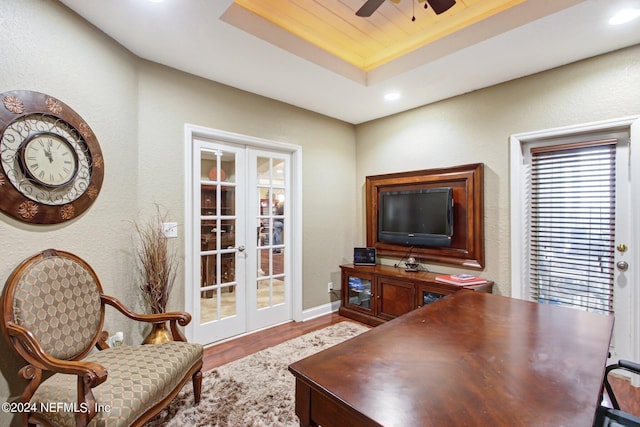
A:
440, 6
369, 7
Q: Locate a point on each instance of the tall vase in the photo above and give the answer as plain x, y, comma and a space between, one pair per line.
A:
159, 334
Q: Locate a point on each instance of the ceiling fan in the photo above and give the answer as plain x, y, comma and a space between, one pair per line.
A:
438, 6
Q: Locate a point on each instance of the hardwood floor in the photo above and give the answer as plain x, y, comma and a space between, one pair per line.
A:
217, 355
627, 395
229, 351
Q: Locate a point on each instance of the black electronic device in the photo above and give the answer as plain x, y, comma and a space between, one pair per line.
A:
364, 256
416, 217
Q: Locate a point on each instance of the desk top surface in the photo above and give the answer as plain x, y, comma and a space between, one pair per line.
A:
471, 359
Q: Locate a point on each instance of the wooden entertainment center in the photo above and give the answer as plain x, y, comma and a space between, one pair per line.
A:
375, 294
466, 182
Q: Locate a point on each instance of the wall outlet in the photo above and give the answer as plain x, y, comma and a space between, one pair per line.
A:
330, 287
116, 339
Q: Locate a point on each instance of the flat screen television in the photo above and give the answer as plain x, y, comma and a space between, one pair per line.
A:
416, 217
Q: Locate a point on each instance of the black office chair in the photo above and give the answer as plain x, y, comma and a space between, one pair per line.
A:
615, 417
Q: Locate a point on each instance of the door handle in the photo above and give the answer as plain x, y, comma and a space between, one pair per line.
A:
622, 265
241, 248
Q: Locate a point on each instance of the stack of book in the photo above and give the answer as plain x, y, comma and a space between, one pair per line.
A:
463, 280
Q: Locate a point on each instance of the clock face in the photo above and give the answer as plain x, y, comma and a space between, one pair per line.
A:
49, 159
45, 159
51, 166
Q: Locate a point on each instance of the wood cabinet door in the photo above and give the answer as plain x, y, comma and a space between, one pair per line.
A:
394, 297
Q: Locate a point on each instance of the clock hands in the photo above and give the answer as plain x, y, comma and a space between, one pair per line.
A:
49, 156
48, 153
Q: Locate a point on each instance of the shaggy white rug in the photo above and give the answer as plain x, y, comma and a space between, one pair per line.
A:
255, 391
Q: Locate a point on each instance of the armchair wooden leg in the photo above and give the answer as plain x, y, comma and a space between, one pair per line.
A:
197, 386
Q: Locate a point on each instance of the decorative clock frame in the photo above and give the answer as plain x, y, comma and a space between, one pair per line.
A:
33, 194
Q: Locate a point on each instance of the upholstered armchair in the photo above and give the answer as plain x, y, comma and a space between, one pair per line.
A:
53, 312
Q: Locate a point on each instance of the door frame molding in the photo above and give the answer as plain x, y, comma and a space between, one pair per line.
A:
194, 131
518, 214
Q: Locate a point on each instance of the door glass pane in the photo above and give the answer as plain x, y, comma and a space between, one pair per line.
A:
271, 238
270, 292
264, 170
228, 301
264, 293
227, 233
277, 262
278, 290
208, 307
208, 270
227, 200
217, 235
278, 172
228, 271
264, 263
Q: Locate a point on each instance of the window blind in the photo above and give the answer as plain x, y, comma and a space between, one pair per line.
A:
572, 205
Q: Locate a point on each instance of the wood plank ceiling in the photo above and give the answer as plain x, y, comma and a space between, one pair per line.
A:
370, 42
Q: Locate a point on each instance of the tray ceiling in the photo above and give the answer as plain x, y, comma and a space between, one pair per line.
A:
373, 41
478, 43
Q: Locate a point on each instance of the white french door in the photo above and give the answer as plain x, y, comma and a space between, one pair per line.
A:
220, 239
573, 240
269, 298
239, 245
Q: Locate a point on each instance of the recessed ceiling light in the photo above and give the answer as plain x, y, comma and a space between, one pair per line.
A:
156, 1
392, 96
624, 16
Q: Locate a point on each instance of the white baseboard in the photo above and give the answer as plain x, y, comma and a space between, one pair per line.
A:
320, 310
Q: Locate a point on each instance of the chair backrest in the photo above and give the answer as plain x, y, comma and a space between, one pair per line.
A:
56, 296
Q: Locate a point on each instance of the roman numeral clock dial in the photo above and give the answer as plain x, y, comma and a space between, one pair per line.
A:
51, 165
49, 160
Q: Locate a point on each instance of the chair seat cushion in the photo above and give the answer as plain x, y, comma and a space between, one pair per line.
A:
138, 377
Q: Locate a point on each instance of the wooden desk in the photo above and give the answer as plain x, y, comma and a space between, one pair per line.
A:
470, 359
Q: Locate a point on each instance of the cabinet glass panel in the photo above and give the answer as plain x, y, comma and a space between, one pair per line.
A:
429, 297
359, 292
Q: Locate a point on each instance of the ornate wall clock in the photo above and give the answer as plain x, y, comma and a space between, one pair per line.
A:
51, 165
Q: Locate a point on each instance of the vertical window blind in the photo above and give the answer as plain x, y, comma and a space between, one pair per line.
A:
572, 206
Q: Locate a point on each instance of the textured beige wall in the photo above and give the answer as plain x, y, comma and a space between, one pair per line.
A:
46, 49
171, 99
138, 111
475, 128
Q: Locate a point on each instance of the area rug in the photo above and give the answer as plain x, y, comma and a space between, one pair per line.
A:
255, 391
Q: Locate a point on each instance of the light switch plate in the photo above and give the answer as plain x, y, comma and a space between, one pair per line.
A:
170, 229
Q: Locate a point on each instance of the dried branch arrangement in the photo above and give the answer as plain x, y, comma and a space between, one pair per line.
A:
158, 262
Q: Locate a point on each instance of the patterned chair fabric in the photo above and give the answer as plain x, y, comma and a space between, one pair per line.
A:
52, 315
139, 377
58, 301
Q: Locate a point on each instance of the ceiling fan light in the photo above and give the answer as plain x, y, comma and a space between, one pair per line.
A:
441, 6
